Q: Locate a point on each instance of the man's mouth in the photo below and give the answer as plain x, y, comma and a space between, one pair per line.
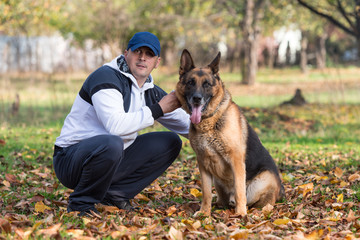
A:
140, 66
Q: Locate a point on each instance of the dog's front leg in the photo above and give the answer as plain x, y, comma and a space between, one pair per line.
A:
239, 170
206, 184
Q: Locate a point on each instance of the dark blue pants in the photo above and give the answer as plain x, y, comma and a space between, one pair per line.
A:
98, 167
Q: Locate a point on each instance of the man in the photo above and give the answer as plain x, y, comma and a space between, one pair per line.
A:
99, 153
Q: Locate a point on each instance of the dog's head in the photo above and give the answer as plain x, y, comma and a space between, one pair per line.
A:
199, 88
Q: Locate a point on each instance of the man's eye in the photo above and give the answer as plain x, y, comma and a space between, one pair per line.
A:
150, 54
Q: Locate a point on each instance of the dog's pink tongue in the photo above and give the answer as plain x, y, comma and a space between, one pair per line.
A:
196, 115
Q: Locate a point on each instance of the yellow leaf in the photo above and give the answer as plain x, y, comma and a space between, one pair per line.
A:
343, 184
320, 178
281, 221
196, 193
209, 227
41, 207
340, 198
305, 188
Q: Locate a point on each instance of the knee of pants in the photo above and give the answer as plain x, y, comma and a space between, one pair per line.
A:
174, 143
113, 147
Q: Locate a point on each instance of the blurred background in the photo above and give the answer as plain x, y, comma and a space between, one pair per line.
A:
269, 48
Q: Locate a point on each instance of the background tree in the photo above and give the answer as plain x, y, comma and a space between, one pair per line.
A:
343, 14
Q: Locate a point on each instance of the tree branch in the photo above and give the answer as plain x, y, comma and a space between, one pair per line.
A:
345, 15
328, 17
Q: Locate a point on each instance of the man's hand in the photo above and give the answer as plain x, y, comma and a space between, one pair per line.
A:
169, 103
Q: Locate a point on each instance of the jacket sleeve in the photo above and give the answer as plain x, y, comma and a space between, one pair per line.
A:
177, 121
109, 108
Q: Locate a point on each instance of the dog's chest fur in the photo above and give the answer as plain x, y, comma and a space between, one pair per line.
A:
212, 149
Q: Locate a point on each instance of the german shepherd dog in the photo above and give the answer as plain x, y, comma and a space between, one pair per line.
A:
229, 152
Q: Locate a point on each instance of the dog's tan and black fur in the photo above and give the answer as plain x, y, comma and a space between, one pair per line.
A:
228, 150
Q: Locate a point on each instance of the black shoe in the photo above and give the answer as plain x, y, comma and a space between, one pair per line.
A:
90, 212
123, 204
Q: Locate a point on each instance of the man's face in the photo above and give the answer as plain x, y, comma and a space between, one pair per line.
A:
141, 62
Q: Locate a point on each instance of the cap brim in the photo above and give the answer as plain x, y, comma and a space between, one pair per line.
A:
136, 46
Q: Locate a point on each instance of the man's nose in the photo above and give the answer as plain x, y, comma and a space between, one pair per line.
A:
142, 55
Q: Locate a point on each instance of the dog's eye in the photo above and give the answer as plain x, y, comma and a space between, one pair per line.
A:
206, 84
191, 82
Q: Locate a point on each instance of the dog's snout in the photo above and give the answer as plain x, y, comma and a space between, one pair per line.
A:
196, 98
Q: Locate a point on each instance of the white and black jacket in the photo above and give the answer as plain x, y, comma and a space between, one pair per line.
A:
111, 102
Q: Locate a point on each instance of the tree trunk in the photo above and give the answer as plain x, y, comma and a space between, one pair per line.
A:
303, 53
320, 52
251, 33
357, 13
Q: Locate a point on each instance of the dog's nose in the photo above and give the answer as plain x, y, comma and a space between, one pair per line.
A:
196, 98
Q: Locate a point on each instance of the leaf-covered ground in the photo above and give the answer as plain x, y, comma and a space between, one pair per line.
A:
321, 177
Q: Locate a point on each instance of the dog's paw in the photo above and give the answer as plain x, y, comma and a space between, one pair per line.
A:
241, 211
200, 213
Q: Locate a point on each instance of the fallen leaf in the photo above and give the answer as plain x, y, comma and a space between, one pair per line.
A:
50, 231
267, 209
11, 178
5, 226
338, 172
195, 192
305, 188
171, 210
175, 234
281, 221
41, 207
354, 177
351, 216
340, 198
240, 234
141, 196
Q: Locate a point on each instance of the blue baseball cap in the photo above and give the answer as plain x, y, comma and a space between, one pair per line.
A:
147, 39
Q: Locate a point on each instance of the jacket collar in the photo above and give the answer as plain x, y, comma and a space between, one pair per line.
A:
120, 65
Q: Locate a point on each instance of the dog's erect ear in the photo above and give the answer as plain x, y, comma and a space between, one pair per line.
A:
186, 62
214, 65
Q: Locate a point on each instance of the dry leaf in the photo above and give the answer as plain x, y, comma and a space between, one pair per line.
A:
41, 207
267, 209
338, 172
354, 177
5, 226
50, 231
141, 196
196, 193
281, 221
305, 188
175, 234
171, 210
240, 234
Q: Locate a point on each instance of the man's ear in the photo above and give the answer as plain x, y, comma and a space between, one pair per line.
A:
214, 65
157, 62
186, 62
